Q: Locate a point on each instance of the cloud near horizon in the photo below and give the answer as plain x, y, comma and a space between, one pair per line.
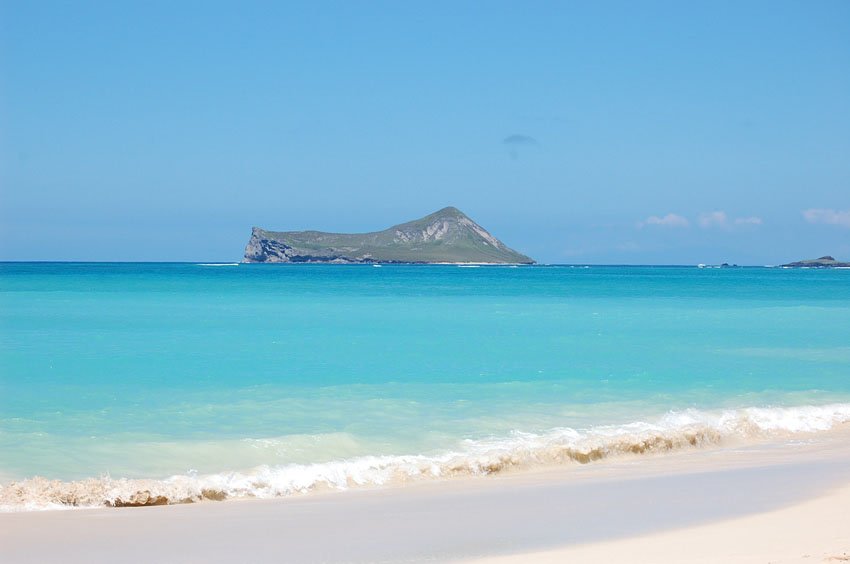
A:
669, 220
706, 220
827, 216
753, 220
713, 219
720, 219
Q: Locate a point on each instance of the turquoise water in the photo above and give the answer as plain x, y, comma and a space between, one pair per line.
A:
157, 370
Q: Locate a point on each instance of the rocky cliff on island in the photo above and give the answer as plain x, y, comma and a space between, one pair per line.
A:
822, 262
445, 236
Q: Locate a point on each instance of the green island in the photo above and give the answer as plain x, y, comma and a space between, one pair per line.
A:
445, 236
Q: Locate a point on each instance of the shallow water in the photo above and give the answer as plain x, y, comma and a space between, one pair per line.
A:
271, 379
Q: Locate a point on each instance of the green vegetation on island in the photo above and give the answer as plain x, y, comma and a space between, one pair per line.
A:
445, 236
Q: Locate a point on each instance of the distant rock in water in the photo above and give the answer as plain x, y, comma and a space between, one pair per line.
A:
446, 236
822, 262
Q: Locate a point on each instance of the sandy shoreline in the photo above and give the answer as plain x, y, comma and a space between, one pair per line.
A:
702, 505
817, 530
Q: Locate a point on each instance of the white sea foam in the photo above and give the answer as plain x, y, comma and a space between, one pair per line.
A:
673, 431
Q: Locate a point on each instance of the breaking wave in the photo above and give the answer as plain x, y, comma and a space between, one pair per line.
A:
674, 431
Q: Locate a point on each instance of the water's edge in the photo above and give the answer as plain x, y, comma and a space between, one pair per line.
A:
674, 431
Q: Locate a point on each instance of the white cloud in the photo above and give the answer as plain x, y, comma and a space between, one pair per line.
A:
669, 220
829, 217
721, 220
753, 221
713, 219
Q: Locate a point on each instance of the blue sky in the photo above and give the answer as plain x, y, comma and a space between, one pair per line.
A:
609, 132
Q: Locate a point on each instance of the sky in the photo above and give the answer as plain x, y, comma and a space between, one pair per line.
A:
576, 132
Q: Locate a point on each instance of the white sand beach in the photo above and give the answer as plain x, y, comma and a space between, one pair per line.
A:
817, 530
772, 502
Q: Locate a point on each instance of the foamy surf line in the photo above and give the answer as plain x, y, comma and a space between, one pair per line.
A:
674, 431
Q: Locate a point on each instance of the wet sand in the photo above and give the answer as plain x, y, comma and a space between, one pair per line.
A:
809, 532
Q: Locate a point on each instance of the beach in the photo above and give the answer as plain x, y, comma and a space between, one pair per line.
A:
785, 501
812, 531
320, 413
349, 283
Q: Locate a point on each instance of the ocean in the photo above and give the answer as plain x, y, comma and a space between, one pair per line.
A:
179, 382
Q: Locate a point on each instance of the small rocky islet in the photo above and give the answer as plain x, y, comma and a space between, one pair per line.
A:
822, 262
